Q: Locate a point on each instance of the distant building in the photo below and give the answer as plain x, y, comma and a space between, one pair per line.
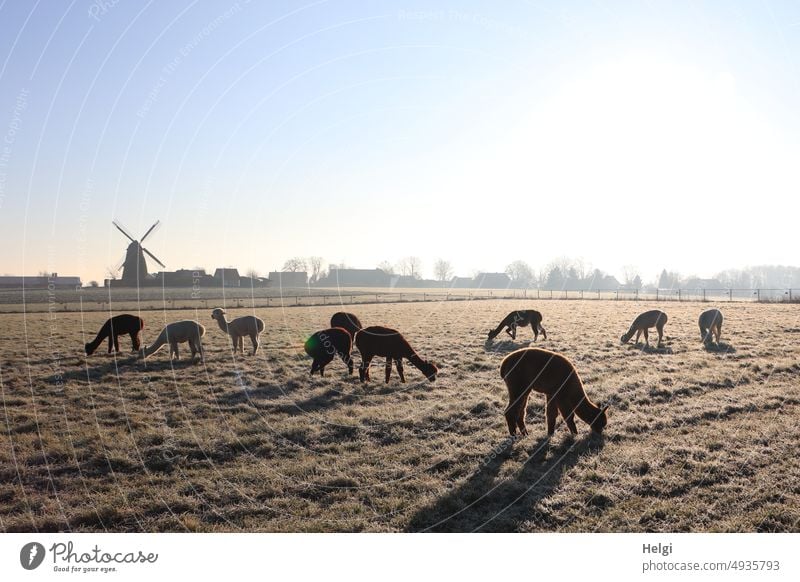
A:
492, 281
355, 278
40, 282
696, 283
462, 283
253, 282
288, 279
227, 277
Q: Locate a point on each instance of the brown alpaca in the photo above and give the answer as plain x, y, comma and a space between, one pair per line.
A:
710, 325
554, 376
115, 327
325, 344
520, 319
383, 341
642, 323
346, 321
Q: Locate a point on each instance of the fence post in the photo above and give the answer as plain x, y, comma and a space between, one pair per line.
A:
790, 295
704, 295
376, 298
297, 300
636, 295
758, 295
679, 295
656, 293
537, 293
730, 294
616, 295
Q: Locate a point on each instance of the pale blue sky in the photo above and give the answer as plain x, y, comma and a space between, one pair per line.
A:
629, 133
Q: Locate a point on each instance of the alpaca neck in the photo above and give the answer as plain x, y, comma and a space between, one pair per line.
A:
587, 411
417, 362
223, 323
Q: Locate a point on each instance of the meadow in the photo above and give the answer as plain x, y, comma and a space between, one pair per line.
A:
699, 439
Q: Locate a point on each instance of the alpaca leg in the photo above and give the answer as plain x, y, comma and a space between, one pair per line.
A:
363, 371
399, 363
254, 341
535, 331
512, 416
116, 343
173, 349
513, 332
646, 340
134, 341
569, 419
551, 412
348, 361
110, 343
241, 344
388, 368
660, 330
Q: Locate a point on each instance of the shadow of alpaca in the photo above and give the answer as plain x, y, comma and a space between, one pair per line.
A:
94, 372
646, 349
720, 348
331, 398
503, 346
483, 504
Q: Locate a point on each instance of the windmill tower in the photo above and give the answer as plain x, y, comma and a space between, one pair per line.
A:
134, 266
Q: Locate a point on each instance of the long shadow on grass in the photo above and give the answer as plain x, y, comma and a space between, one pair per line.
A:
483, 504
720, 348
503, 347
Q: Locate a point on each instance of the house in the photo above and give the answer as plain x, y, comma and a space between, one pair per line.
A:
40, 282
337, 277
227, 277
492, 281
284, 279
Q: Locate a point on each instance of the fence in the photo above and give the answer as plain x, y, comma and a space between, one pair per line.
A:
363, 298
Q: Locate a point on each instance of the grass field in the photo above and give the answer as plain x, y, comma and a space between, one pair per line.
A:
698, 440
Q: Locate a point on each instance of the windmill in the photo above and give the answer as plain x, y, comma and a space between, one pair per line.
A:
134, 266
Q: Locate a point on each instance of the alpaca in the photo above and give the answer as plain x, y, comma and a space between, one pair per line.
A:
175, 333
115, 327
346, 321
325, 344
520, 319
382, 341
642, 323
249, 325
710, 325
554, 376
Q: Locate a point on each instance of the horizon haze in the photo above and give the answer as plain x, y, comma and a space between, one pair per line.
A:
625, 134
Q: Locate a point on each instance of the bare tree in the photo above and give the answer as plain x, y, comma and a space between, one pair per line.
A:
386, 267
295, 265
111, 273
410, 267
521, 274
630, 274
94, 284
252, 273
316, 268
443, 270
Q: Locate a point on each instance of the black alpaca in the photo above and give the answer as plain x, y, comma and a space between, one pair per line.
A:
520, 319
346, 321
115, 327
390, 343
324, 345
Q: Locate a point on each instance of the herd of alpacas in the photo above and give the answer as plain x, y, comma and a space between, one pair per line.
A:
523, 371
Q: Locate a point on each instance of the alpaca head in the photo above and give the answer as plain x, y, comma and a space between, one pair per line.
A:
600, 421
430, 370
625, 338
218, 314
89, 349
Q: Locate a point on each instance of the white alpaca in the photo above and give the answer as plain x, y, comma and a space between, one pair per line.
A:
175, 333
249, 325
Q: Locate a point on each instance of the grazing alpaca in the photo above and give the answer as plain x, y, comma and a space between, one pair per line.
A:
382, 341
115, 327
554, 376
325, 344
346, 321
175, 333
520, 319
646, 320
249, 325
710, 325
